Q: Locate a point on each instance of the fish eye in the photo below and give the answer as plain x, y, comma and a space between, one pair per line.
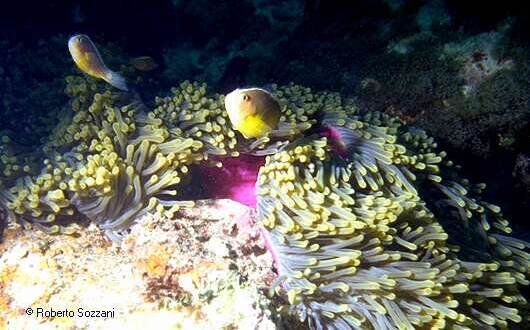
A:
246, 97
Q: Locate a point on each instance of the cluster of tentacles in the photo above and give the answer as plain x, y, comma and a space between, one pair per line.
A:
369, 224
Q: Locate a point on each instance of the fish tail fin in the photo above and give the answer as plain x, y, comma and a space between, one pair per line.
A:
116, 80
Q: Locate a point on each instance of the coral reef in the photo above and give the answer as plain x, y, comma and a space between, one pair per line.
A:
362, 214
219, 54
467, 91
206, 266
479, 58
412, 85
493, 109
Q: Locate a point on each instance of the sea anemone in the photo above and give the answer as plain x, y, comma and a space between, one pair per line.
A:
369, 224
357, 216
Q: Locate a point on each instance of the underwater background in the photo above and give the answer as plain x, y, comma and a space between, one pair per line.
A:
458, 70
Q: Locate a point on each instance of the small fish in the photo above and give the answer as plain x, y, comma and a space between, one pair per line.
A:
87, 58
144, 63
253, 111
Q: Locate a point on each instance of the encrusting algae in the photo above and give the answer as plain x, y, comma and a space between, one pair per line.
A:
369, 224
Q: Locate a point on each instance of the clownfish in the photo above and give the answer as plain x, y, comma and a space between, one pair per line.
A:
87, 58
252, 111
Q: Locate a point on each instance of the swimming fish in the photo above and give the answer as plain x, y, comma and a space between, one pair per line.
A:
144, 63
87, 58
252, 111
